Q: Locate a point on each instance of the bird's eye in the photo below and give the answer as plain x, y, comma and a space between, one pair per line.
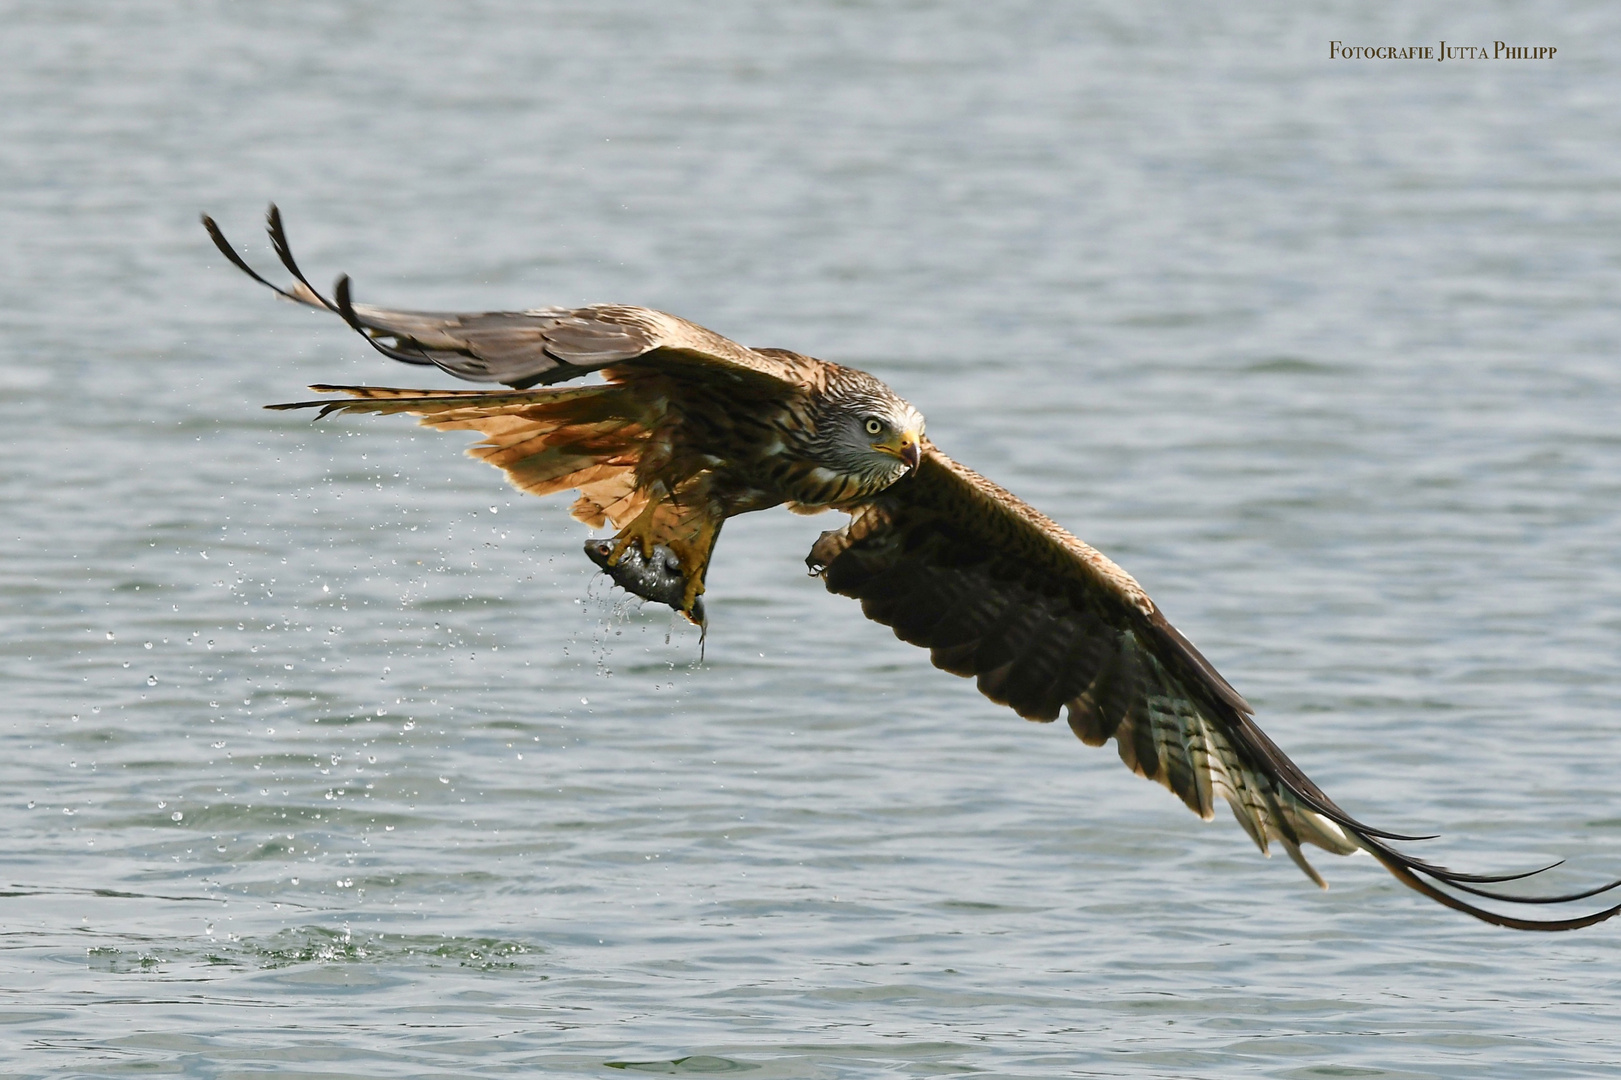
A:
874, 426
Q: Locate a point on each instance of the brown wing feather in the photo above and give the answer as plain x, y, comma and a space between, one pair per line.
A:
589, 438
996, 590
524, 348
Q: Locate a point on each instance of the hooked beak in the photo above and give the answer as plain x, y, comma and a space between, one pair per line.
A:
911, 450
908, 446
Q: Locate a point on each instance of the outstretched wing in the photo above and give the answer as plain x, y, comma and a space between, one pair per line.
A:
525, 348
997, 591
587, 438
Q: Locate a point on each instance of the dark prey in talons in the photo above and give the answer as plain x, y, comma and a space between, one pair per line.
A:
688, 428
656, 577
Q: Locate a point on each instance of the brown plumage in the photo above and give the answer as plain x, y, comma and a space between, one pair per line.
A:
690, 428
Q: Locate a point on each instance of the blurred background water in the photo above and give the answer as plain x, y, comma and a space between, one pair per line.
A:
323, 753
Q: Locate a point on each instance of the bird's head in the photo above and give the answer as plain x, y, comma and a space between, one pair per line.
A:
864, 429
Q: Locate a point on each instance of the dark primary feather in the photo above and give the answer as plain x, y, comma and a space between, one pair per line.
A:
998, 592
519, 348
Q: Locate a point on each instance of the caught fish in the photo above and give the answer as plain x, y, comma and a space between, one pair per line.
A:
658, 579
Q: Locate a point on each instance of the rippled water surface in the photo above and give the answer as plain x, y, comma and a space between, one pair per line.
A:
324, 753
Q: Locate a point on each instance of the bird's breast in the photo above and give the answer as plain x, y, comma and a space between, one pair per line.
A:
817, 485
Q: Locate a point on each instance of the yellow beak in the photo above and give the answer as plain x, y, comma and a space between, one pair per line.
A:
908, 446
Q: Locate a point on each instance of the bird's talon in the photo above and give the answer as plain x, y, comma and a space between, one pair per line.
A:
637, 532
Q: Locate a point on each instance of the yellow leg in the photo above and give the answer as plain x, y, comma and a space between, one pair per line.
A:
640, 530
693, 551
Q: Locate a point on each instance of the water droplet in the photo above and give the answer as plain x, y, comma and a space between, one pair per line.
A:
176, 816
294, 880
31, 806
493, 510
109, 635
151, 680
148, 644
162, 804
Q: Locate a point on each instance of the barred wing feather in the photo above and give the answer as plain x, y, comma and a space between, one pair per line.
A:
997, 591
519, 348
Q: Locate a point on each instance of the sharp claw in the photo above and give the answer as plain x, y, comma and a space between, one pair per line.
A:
689, 599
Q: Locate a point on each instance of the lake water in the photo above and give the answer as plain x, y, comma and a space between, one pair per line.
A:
324, 754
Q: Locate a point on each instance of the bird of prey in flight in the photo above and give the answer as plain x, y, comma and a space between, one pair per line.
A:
688, 428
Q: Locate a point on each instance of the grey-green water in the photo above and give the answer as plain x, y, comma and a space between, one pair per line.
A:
323, 754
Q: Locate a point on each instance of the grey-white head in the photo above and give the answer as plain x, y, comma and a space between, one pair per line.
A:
864, 430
